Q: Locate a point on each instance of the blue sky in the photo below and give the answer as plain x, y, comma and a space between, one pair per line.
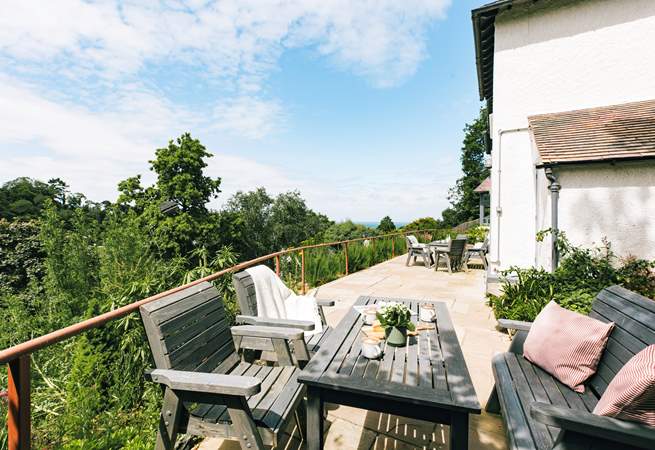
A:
359, 105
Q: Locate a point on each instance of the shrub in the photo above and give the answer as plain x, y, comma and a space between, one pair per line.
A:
581, 274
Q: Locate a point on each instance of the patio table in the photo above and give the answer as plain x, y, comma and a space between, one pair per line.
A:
426, 380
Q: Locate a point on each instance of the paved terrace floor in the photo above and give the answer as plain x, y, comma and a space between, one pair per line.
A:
350, 428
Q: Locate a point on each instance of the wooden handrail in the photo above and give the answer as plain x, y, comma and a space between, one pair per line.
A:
18, 356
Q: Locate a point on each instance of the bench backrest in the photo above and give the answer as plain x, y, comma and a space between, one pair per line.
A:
246, 295
188, 330
634, 329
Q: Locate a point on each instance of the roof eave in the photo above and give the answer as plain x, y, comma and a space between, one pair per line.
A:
553, 164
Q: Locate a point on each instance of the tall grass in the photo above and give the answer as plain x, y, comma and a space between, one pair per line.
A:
325, 264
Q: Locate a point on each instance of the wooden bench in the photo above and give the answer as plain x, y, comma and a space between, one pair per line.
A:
209, 389
541, 413
247, 299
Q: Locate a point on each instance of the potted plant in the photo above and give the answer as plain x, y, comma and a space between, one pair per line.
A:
395, 318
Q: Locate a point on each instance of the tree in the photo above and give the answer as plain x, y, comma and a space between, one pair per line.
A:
424, 223
180, 179
262, 224
386, 225
464, 201
347, 230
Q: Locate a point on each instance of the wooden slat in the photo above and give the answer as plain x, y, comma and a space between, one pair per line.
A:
201, 345
173, 341
626, 316
180, 309
285, 378
279, 409
515, 420
539, 432
384, 371
538, 391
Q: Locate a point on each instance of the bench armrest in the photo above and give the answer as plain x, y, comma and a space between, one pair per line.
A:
206, 383
517, 325
320, 302
305, 325
268, 332
582, 422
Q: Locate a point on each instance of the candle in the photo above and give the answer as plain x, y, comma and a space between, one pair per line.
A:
370, 315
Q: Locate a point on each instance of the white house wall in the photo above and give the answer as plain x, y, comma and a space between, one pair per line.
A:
550, 58
616, 202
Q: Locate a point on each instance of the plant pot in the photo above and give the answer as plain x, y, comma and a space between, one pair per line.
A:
396, 337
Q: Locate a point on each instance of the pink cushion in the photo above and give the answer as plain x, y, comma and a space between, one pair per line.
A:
566, 344
631, 393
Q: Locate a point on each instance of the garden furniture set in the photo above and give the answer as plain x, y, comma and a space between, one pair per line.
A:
216, 382
455, 253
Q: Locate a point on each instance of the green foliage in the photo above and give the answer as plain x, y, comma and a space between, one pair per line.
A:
582, 273
423, 223
386, 225
261, 224
346, 230
465, 203
21, 254
395, 315
477, 234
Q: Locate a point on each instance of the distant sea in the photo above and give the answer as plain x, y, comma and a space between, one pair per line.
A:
375, 224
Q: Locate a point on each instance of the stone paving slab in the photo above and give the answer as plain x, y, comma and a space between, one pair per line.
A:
463, 292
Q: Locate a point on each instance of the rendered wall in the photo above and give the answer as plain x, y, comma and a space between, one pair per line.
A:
552, 57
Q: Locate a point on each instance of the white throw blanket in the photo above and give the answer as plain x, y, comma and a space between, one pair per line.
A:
276, 301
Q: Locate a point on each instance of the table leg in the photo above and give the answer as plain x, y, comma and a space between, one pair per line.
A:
314, 419
459, 431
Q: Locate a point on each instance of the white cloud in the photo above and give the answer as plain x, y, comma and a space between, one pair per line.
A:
250, 117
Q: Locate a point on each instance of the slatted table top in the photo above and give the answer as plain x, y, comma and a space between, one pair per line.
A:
430, 370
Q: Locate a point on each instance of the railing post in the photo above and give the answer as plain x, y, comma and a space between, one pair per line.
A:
393, 246
277, 265
302, 270
18, 423
345, 248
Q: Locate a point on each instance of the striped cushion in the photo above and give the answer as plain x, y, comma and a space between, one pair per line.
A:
566, 344
631, 394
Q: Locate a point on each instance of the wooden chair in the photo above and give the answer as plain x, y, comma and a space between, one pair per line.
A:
247, 299
540, 413
454, 255
480, 252
208, 389
415, 249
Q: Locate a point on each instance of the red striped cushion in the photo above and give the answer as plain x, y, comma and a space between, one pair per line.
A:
566, 344
631, 393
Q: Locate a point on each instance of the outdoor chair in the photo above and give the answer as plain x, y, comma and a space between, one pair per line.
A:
454, 255
415, 249
480, 252
540, 413
209, 390
247, 299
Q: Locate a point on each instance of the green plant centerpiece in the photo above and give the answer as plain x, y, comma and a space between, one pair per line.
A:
396, 319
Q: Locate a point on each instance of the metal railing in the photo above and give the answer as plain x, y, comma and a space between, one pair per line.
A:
17, 357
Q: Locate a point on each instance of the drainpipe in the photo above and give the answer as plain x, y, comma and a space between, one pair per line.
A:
499, 209
554, 188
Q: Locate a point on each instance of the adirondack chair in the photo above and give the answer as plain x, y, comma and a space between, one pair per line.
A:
415, 249
454, 256
540, 413
208, 389
247, 299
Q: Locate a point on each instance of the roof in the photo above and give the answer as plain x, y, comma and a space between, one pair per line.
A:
484, 19
485, 186
608, 133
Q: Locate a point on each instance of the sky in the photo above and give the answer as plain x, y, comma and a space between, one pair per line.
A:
359, 105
